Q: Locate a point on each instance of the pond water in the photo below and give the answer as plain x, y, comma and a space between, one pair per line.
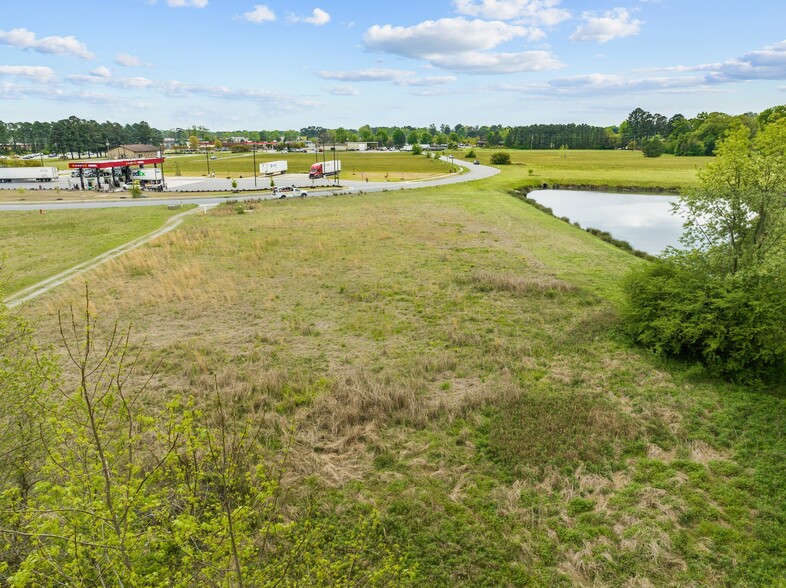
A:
644, 221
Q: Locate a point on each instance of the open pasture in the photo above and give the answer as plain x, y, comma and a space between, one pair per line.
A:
451, 356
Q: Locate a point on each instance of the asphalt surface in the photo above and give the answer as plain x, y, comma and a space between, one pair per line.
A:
245, 189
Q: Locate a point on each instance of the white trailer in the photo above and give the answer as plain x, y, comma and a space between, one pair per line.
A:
29, 174
272, 168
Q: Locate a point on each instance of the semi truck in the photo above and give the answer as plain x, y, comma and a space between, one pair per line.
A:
272, 168
324, 169
28, 174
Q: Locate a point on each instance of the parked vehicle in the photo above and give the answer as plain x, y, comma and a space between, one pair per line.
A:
272, 168
28, 174
149, 178
324, 169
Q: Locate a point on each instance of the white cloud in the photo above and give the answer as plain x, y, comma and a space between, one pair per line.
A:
447, 35
103, 77
126, 60
462, 45
365, 75
318, 18
34, 72
342, 91
613, 24
261, 13
187, 3
766, 64
397, 76
596, 84
24, 39
101, 72
427, 81
535, 12
498, 63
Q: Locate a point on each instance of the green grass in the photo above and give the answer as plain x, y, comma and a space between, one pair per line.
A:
36, 246
613, 169
355, 165
452, 357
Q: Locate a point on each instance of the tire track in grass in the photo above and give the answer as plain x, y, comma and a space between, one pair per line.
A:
46, 285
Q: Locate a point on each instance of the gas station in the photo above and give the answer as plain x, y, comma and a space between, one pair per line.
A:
110, 174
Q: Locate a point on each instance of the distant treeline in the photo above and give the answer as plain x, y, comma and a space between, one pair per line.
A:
555, 136
676, 134
73, 136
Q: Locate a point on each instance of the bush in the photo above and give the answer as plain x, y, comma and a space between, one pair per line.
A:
653, 147
417, 149
500, 158
734, 324
135, 190
470, 154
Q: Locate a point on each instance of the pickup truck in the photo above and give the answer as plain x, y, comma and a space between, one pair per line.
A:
282, 191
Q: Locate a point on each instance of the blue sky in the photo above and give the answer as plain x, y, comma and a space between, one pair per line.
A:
231, 64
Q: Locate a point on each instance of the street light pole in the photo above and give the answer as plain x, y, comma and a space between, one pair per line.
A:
207, 159
254, 152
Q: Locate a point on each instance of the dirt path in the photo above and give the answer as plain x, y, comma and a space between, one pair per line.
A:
44, 286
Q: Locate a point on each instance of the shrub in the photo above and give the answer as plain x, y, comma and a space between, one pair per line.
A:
500, 158
135, 190
653, 147
734, 324
470, 154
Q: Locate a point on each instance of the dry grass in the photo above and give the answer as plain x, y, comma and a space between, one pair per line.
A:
521, 285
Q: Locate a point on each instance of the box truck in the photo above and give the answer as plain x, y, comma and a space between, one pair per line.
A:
324, 169
151, 178
272, 168
147, 174
28, 174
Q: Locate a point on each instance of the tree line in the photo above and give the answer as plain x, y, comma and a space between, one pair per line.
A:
653, 133
73, 136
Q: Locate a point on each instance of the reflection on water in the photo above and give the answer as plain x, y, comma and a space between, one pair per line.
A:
643, 221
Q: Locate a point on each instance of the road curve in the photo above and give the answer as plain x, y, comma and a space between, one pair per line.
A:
472, 173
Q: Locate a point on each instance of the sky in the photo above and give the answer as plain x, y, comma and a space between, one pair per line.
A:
278, 65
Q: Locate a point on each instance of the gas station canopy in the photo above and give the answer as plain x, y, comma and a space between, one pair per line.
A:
103, 164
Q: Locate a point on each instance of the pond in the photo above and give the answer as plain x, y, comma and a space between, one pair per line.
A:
644, 221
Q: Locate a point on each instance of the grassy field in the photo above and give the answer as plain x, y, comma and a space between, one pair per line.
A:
581, 167
452, 357
36, 246
614, 169
355, 164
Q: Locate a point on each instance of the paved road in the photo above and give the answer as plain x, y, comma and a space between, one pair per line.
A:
184, 184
